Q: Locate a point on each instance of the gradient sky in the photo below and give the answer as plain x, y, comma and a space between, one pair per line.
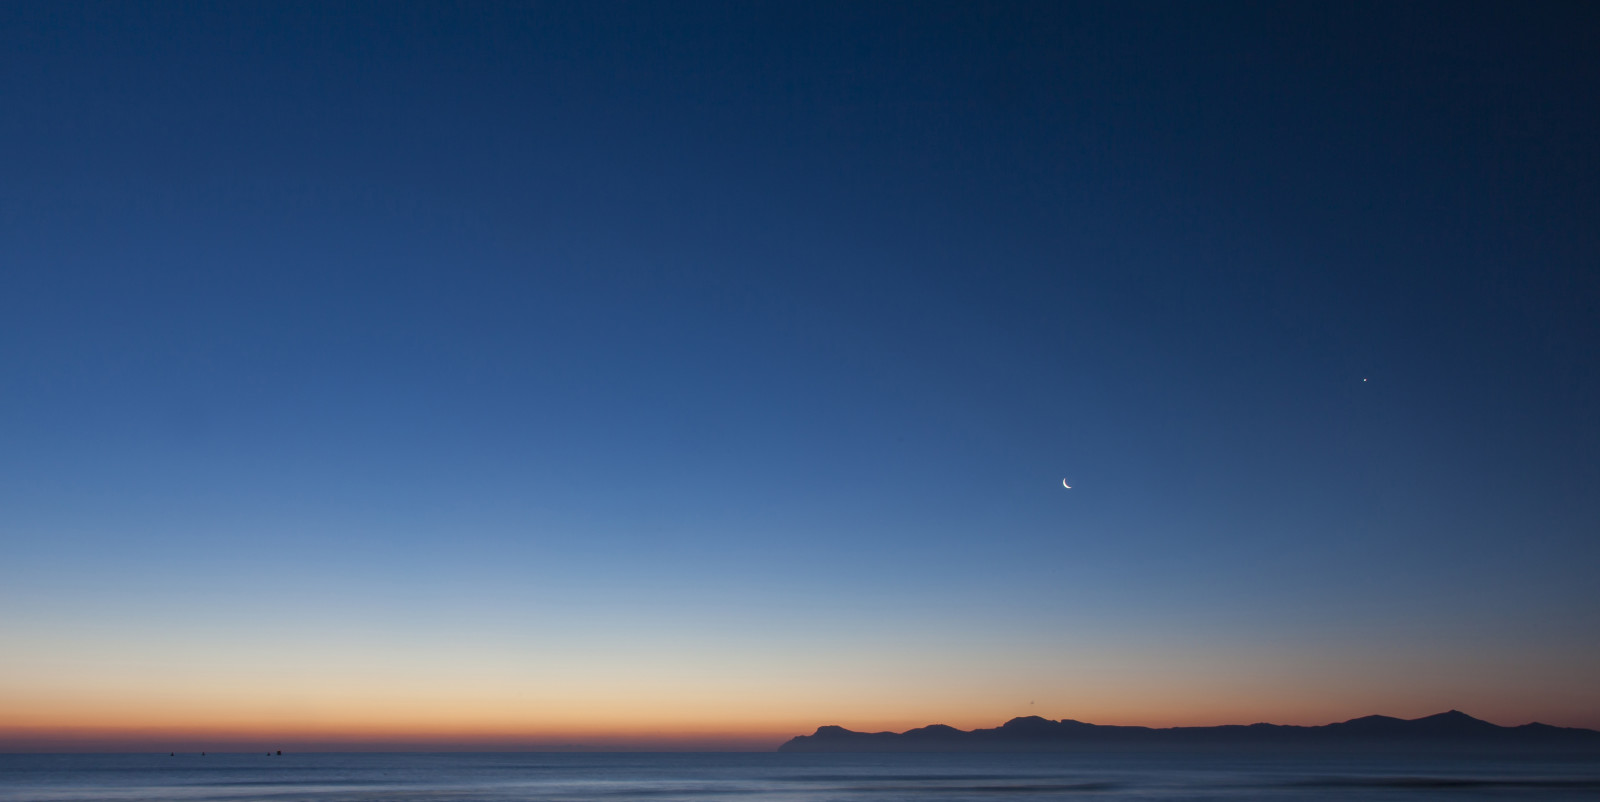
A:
697, 374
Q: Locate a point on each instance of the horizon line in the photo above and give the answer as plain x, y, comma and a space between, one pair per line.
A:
176, 740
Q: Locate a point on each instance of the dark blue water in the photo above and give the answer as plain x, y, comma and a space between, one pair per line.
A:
492, 777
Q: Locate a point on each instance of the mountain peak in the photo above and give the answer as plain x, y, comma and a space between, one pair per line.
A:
1027, 721
1453, 720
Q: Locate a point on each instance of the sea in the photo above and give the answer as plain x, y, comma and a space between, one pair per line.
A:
787, 777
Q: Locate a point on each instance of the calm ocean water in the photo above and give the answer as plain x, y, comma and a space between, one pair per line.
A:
492, 777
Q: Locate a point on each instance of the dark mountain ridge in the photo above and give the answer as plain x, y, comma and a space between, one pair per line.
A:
1032, 734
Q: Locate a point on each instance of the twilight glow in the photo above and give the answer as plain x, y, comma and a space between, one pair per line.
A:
639, 377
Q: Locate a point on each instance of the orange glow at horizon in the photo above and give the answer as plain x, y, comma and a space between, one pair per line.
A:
690, 717
701, 690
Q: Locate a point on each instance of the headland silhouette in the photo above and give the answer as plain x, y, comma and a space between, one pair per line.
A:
1035, 734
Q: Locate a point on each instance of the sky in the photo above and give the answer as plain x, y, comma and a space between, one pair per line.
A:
691, 375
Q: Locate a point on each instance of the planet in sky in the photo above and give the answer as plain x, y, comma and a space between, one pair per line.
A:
1064, 484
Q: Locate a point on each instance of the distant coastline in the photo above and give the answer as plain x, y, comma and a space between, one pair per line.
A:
1034, 734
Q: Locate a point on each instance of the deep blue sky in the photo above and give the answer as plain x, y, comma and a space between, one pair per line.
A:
774, 326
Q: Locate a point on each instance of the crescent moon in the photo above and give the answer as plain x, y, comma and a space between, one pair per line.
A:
1064, 484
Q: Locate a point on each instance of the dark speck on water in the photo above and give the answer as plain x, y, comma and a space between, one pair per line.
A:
783, 777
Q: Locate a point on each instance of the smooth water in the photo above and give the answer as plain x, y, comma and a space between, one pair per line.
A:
774, 777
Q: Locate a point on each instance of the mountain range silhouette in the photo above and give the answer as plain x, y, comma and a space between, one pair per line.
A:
1032, 733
